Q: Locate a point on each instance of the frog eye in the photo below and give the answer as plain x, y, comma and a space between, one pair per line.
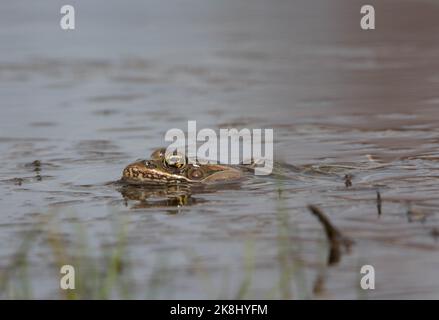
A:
175, 160
195, 174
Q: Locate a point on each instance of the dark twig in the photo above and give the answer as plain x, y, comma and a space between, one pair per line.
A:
348, 180
335, 238
379, 202
435, 233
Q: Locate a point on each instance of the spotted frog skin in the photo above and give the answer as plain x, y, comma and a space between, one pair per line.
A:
162, 169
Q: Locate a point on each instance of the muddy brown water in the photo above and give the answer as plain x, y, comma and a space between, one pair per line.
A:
76, 107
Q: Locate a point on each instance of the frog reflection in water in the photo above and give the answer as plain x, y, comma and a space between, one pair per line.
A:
158, 196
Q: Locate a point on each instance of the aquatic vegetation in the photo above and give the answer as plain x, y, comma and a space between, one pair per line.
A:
106, 271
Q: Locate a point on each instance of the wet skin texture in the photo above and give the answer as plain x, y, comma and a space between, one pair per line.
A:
161, 169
